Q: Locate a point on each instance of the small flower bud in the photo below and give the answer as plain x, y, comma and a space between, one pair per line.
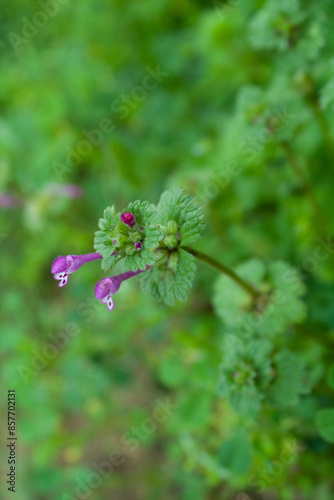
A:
128, 218
172, 227
130, 249
173, 262
171, 242
135, 236
122, 240
138, 245
162, 255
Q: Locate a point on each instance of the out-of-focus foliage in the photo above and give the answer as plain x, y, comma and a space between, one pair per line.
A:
234, 102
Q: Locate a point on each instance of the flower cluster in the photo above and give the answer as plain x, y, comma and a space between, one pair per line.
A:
128, 236
106, 287
145, 237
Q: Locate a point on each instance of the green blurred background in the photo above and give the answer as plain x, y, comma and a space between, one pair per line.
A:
240, 113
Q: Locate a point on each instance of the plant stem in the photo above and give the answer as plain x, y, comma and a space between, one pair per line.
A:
225, 270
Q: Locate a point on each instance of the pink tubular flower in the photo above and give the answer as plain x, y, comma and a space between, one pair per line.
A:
63, 266
128, 218
107, 287
8, 200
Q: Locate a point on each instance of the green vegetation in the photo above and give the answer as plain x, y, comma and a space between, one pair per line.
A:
220, 389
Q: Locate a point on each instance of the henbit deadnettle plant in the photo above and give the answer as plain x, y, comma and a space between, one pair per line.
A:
152, 242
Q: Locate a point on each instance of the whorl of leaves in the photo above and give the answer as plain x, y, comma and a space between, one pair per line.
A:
162, 231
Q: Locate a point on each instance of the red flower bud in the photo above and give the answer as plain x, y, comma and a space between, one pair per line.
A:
128, 218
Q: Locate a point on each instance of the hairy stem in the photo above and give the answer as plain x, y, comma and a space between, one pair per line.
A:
225, 270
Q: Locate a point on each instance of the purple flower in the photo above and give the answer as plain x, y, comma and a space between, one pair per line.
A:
138, 245
63, 266
107, 287
64, 190
8, 200
128, 218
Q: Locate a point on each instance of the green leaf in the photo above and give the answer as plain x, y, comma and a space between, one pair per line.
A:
168, 286
291, 379
153, 235
230, 299
139, 260
103, 242
175, 205
142, 210
109, 262
172, 372
110, 219
236, 453
324, 420
245, 373
273, 25
279, 307
194, 412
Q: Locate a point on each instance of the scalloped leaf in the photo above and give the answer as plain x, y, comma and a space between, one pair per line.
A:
139, 261
167, 286
245, 373
142, 210
153, 236
291, 380
275, 312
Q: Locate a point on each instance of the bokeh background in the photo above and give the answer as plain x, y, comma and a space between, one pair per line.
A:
109, 101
